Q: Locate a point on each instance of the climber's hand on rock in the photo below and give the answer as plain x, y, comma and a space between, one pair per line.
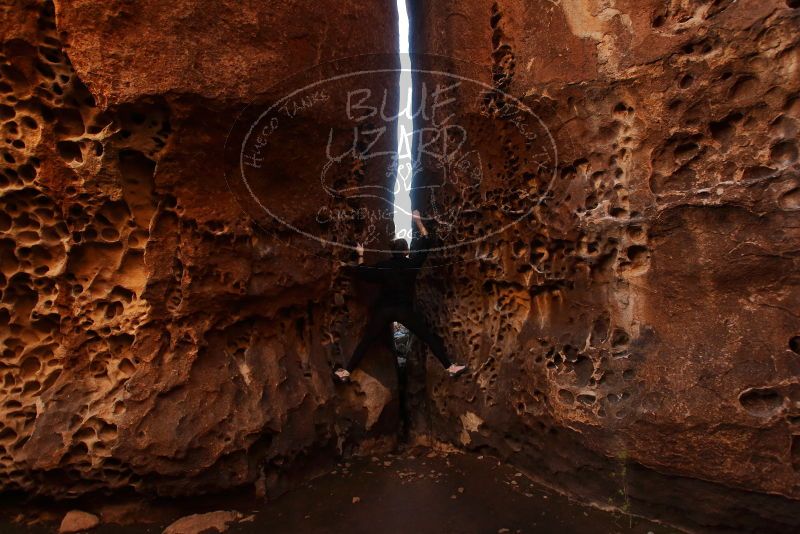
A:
360, 252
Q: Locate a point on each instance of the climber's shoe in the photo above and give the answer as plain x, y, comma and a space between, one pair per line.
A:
456, 370
342, 375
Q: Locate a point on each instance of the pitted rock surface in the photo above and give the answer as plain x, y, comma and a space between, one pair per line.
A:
646, 312
641, 322
152, 336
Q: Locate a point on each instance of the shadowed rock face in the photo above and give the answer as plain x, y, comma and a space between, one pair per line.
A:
152, 336
646, 313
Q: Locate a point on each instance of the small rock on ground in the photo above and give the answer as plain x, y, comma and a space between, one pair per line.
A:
197, 523
78, 521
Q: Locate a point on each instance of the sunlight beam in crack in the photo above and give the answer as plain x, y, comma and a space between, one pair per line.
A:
402, 186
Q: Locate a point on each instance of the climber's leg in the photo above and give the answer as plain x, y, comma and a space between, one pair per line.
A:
379, 321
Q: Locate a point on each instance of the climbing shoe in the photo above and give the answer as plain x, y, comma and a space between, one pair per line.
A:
455, 370
342, 375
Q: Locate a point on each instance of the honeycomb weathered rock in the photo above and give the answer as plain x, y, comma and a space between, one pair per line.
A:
152, 337
639, 326
646, 309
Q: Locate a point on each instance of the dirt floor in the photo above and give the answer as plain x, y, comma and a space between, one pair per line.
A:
417, 492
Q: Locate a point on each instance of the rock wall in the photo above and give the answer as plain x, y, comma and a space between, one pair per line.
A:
634, 341
151, 336
642, 324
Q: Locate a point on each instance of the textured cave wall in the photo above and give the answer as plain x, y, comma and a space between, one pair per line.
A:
643, 322
151, 335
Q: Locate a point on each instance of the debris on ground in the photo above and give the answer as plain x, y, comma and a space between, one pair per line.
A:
78, 521
211, 522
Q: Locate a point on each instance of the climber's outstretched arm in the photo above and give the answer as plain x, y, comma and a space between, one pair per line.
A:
364, 272
417, 219
421, 244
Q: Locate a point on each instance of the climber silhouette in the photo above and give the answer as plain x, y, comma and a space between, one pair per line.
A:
396, 278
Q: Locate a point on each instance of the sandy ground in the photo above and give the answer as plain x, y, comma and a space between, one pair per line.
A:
416, 492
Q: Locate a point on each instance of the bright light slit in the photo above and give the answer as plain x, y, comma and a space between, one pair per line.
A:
402, 187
